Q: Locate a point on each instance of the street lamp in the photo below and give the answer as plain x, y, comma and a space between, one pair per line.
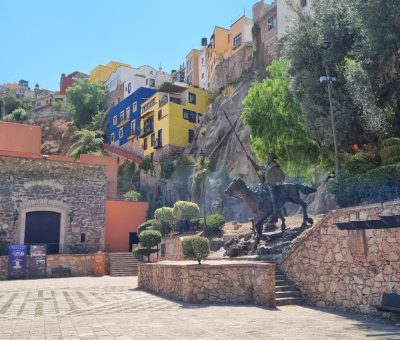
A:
324, 47
205, 229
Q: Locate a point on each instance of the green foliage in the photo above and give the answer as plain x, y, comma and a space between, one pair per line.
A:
85, 99
144, 252
57, 105
99, 121
184, 161
167, 168
19, 114
164, 215
196, 184
11, 102
150, 238
196, 223
377, 185
390, 152
132, 196
185, 211
85, 141
196, 248
149, 225
127, 176
147, 165
360, 163
273, 115
215, 223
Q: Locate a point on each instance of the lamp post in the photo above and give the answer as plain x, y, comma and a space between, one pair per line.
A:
205, 229
324, 47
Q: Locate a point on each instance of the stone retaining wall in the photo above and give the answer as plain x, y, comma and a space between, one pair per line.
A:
216, 282
172, 249
349, 269
81, 265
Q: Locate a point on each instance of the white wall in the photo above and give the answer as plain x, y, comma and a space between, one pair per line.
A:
286, 17
203, 68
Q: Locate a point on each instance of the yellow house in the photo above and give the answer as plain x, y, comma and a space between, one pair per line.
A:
169, 118
218, 48
101, 73
240, 34
192, 68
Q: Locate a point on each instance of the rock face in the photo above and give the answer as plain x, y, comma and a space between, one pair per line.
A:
349, 269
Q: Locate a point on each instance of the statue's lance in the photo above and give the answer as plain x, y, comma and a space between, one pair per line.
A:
241, 144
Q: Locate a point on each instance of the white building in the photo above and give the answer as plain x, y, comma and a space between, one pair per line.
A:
134, 78
286, 16
203, 68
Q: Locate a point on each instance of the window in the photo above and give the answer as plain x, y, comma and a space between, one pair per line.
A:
159, 137
199, 117
134, 107
303, 3
122, 116
129, 87
189, 64
112, 137
191, 135
133, 127
127, 112
189, 115
159, 114
121, 132
152, 82
192, 98
145, 144
115, 120
271, 23
153, 139
83, 237
237, 40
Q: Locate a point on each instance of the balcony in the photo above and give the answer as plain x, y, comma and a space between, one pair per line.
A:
147, 130
157, 144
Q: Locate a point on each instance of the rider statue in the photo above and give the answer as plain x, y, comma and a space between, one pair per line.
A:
273, 178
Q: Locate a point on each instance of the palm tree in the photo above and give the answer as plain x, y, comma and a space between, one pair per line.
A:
86, 141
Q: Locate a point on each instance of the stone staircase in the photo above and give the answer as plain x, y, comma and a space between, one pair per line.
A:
123, 264
285, 292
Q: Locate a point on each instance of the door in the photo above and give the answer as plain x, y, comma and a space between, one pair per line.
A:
133, 239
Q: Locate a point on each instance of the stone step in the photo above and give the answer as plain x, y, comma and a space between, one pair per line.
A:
284, 288
288, 293
284, 301
280, 277
281, 282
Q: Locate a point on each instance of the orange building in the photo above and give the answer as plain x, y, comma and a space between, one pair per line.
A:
20, 138
122, 221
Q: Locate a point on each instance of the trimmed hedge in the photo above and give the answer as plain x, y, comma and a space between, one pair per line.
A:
185, 211
196, 248
215, 223
149, 225
377, 185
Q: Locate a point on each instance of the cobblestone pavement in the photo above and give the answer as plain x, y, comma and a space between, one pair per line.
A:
112, 308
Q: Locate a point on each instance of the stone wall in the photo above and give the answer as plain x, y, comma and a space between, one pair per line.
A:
64, 187
349, 269
81, 265
231, 69
173, 249
214, 282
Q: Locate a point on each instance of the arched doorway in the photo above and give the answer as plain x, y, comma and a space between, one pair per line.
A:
43, 227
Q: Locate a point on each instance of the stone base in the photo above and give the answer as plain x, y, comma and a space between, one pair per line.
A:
214, 282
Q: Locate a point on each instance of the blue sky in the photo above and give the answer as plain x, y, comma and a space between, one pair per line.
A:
43, 38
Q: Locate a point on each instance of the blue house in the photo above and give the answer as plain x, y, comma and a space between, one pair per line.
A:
124, 118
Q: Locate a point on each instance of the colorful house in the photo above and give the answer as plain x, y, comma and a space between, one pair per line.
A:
101, 73
170, 116
192, 68
124, 118
240, 34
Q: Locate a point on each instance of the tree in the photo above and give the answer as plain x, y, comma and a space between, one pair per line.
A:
19, 114
85, 141
274, 117
196, 248
84, 100
184, 211
165, 215
148, 240
132, 196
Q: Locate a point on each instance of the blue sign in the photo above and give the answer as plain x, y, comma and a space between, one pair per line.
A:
17, 262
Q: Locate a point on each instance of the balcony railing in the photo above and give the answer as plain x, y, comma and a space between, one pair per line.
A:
147, 130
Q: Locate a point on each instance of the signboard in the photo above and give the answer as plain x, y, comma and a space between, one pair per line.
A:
37, 261
17, 262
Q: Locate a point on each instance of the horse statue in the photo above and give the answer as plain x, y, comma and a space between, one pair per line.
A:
260, 202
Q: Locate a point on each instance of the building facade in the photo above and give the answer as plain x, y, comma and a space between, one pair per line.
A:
203, 67
67, 81
240, 34
101, 73
285, 15
192, 68
124, 117
170, 117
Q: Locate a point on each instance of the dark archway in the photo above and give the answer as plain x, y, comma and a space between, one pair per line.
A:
43, 227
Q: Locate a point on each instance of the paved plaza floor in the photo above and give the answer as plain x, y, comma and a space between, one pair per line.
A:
113, 308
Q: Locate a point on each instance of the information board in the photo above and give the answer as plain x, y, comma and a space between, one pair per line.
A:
17, 262
37, 261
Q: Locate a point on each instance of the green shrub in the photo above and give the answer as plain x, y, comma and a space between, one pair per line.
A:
149, 225
196, 223
184, 161
148, 240
164, 215
132, 196
167, 168
377, 185
215, 223
185, 211
144, 252
19, 114
390, 152
196, 248
391, 141
147, 165
360, 163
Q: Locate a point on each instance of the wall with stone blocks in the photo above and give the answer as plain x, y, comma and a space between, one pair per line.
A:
349, 269
172, 249
215, 282
81, 265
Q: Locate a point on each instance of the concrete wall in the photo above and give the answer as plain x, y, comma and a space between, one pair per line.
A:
123, 217
347, 269
214, 282
22, 138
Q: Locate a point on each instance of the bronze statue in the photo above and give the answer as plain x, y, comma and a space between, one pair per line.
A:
260, 202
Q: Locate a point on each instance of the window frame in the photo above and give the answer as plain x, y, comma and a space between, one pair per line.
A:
128, 113
112, 137
121, 129
271, 23
122, 116
190, 116
235, 44
115, 119
134, 107
133, 128
193, 96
